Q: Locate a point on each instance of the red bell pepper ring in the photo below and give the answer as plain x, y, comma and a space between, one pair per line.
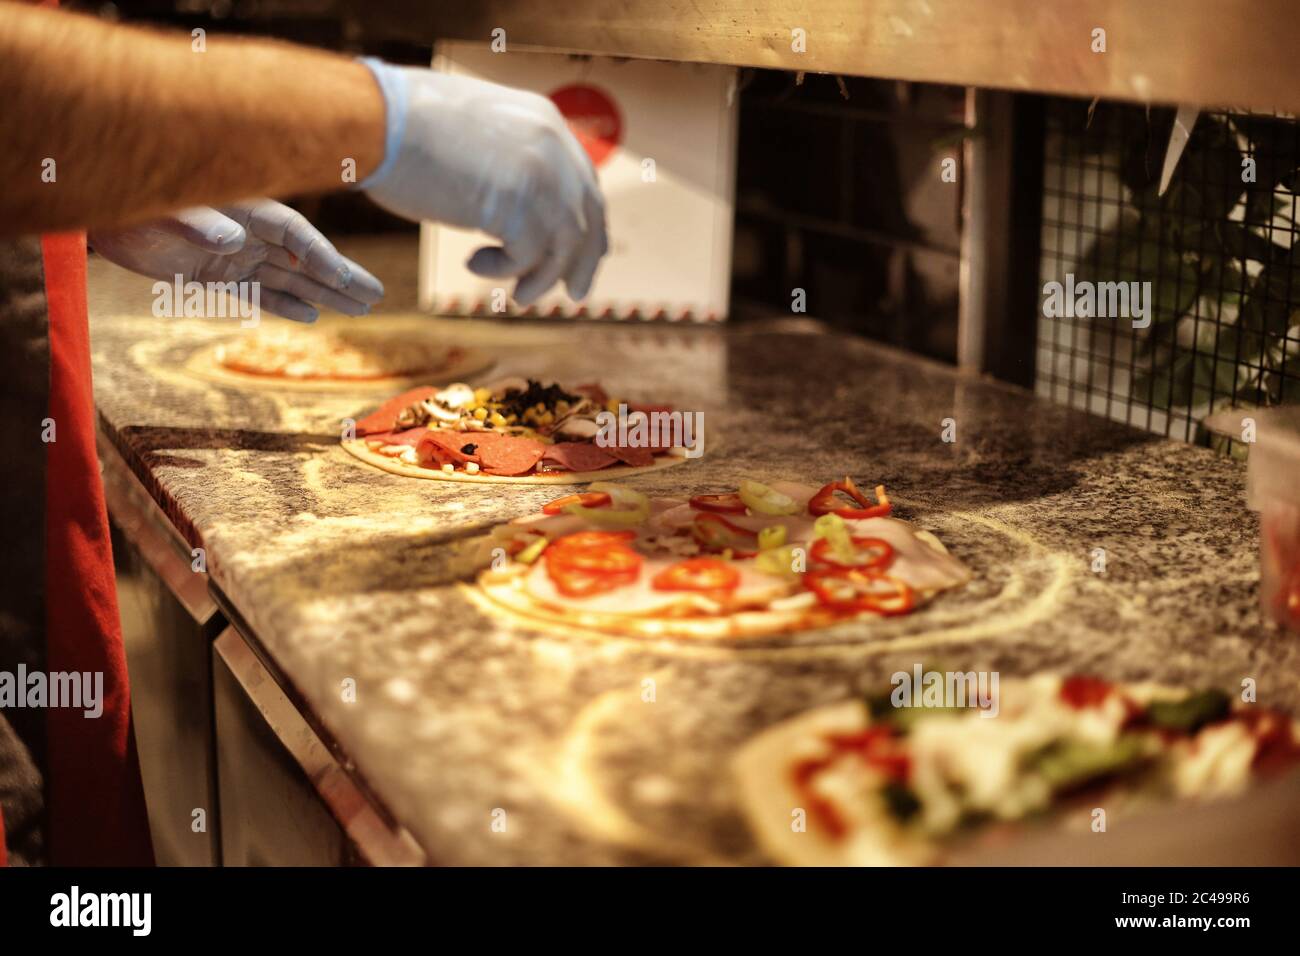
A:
607, 559
879, 554
697, 574
729, 504
573, 582
588, 499
583, 540
716, 533
824, 501
875, 746
1081, 691
592, 562
878, 746
850, 590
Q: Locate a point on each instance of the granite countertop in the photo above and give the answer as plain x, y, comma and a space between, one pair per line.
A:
614, 750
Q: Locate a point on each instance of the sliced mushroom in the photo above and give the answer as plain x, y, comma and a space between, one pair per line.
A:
413, 415
455, 396
577, 427
440, 411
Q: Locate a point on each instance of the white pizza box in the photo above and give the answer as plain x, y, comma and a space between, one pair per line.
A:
662, 137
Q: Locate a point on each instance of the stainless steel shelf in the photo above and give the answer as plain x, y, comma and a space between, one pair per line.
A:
1211, 52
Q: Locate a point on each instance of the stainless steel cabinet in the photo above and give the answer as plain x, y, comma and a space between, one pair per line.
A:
285, 799
168, 623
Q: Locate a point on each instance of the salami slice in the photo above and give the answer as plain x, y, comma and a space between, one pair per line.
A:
636, 457
384, 418
407, 436
648, 409
579, 456
661, 429
506, 454
594, 392
438, 448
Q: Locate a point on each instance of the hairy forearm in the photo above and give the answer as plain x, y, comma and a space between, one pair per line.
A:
106, 125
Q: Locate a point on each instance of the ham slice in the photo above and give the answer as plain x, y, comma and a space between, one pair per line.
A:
647, 409
916, 562
594, 392
579, 456
384, 418
636, 457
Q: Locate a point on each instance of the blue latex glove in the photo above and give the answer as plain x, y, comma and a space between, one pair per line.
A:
477, 155
260, 240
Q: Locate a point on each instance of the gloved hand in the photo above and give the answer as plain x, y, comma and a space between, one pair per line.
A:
481, 156
259, 240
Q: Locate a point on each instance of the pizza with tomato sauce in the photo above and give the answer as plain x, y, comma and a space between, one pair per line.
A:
518, 431
337, 359
745, 562
878, 783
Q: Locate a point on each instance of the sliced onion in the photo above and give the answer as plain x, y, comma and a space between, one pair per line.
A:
833, 529
761, 499
627, 507
533, 551
621, 496
778, 562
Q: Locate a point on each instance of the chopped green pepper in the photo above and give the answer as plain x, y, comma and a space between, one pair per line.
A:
1191, 713
1067, 764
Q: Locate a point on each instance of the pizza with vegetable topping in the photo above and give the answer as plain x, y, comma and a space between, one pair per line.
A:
321, 359
756, 560
514, 431
889, 785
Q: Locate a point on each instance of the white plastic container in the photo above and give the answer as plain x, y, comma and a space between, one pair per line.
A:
662, 137
1273, 489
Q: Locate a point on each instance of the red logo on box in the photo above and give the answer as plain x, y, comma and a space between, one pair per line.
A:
593, 118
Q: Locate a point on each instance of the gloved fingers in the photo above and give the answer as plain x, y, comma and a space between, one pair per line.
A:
536, 282
531, 286
364, 286
540, 226
205, 227
524, 239
286, 306
583, 162
595, 243
308, 289
278, 225
491, 262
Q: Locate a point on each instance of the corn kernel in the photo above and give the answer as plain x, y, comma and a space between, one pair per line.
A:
480, 413
498, 419
482, 396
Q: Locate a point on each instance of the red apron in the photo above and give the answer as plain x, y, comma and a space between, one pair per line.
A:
91, 809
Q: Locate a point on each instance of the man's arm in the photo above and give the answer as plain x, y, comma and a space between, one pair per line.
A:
137, 122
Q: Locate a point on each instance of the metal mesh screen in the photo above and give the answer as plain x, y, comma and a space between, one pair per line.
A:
1218, 251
